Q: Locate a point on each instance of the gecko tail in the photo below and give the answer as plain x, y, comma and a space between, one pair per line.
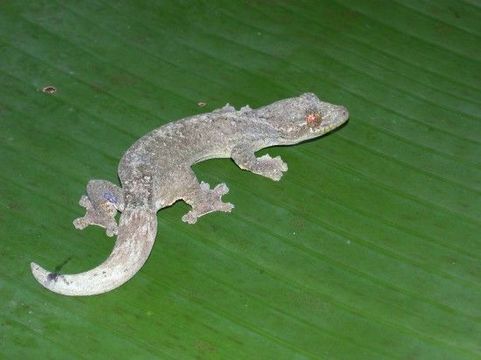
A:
137, 231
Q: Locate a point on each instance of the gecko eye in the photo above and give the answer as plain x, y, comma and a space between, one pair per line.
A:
313, 119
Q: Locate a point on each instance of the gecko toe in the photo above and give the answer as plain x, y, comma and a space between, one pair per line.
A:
85, 201
189, 218
111, 231
227, 207
204, 186
80, 223
221, 189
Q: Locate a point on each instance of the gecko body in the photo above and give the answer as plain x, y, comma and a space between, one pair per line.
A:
156, 171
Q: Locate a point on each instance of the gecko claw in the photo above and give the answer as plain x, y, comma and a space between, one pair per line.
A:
112, 231
85, 202
221, 189
190, 217
80, 223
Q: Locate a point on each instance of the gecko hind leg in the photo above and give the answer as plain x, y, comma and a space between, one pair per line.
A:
102, 202
205, 200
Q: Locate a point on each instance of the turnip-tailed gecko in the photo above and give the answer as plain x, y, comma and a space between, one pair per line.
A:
156, 171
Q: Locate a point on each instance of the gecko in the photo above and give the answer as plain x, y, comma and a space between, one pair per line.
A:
155, 172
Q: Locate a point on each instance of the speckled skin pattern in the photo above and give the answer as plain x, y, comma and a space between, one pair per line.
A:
156, 171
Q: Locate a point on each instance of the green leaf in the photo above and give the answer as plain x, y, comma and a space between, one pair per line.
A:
369, 247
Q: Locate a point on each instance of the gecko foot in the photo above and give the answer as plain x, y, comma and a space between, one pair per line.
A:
206, 200
104, 218
270, 167
101, 205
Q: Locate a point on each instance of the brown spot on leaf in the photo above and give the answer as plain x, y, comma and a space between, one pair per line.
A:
49, 90
205, 347
123, 80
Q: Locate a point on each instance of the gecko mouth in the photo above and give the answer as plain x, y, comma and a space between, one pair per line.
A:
336, 119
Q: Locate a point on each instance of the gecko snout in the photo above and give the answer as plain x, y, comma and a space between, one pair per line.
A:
344, 113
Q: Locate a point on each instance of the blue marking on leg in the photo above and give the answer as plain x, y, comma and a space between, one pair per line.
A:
110, 197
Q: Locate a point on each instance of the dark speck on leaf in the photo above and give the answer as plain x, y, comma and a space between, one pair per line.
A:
59, 267
49, 90
52, 276
455, 13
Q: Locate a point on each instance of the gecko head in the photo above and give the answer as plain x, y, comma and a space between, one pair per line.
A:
304, 117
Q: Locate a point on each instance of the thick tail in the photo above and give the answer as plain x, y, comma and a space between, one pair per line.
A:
137, 231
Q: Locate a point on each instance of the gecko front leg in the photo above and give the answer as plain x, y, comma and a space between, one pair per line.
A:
265, 165
102, 202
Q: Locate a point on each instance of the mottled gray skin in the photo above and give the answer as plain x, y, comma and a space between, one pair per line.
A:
156, 172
